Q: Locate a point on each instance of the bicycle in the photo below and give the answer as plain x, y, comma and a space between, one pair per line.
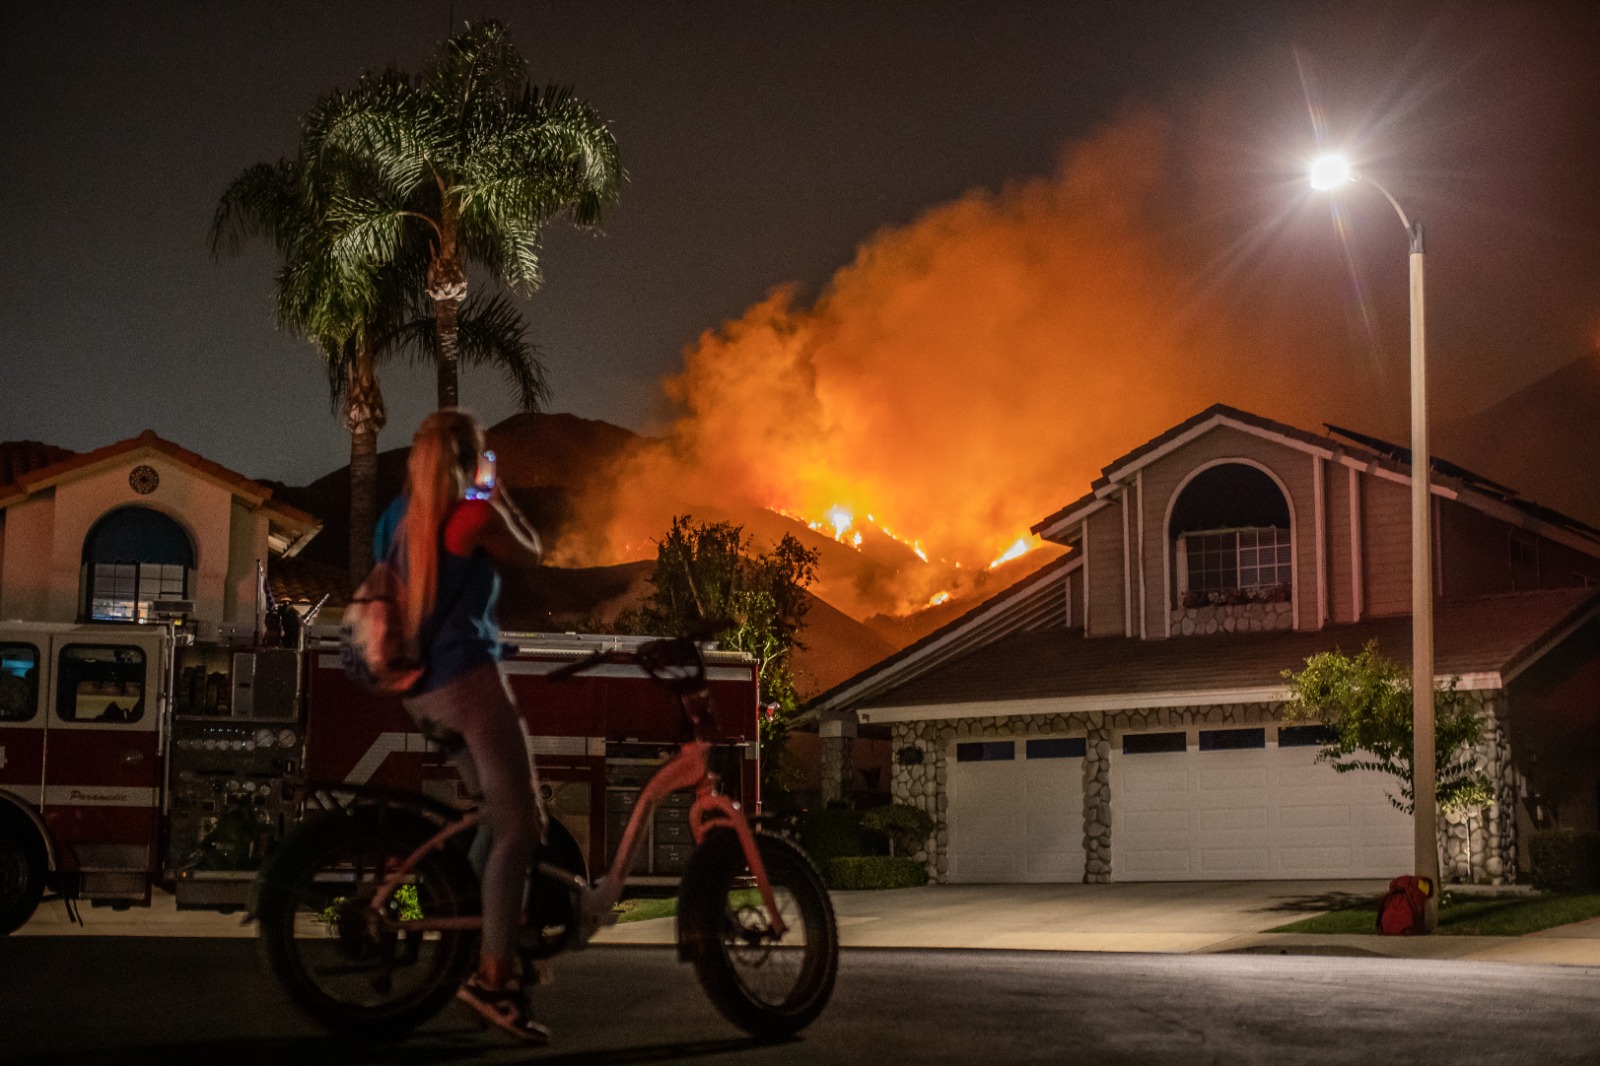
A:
368, 912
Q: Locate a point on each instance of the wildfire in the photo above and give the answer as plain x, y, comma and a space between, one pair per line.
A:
943, 597
1016, 550
840, 523
841, 520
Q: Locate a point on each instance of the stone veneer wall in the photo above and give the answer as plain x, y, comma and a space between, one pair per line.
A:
924, 784
1480, 847
837, 766
1233, 618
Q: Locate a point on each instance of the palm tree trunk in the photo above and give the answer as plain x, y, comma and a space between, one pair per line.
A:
447, 288
364, 417
444, 318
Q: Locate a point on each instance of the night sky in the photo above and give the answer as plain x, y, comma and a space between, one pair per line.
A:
766, 143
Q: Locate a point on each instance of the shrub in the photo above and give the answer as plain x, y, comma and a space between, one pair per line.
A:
873, 871
830, 834
1565, 860
906, 827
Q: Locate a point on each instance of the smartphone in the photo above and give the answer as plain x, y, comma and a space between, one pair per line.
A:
482, 486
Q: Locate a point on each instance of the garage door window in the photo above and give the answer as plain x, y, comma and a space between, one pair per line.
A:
987, 751
1232, 739
1154, 743
1057, 748
1305, 736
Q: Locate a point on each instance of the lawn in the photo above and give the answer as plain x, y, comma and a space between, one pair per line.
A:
642, 909
1471, 916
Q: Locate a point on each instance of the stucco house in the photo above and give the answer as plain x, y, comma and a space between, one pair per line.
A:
138, 527
1117, 716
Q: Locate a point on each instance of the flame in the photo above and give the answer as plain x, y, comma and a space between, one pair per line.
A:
841, 520
1062, 316
943, 597
1016, 551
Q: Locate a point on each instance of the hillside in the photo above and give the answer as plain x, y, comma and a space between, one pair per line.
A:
549, 461
1543, 440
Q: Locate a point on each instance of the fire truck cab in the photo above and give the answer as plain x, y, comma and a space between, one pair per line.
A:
132, 758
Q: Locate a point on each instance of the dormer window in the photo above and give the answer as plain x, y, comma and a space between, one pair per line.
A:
1221, 566
1231, 539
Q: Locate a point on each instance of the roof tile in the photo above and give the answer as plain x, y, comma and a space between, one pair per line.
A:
1488, 634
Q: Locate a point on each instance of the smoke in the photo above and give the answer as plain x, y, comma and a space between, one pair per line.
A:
971, 372
963, 377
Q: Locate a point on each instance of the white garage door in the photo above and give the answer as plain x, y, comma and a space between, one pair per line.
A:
1016, 810
1235, 804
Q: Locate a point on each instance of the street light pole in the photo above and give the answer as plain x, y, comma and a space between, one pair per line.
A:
1424, 778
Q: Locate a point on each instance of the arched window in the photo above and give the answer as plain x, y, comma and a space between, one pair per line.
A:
132, 557
1230, 538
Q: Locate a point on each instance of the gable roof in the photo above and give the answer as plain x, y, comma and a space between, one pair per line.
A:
1006, 613
1038, 601
18, 457
36, 467
1486, 641
1369, 454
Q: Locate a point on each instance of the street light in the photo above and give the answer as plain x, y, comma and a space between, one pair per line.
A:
1330, 172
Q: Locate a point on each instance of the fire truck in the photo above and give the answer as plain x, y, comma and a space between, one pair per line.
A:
132, 758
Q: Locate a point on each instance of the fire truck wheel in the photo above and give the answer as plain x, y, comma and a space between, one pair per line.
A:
22, 872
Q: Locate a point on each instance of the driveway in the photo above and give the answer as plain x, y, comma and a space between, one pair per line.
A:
1176, 917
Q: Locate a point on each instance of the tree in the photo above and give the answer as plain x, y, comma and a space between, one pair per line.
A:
707, 570
358, 316
1366, 702
475, 158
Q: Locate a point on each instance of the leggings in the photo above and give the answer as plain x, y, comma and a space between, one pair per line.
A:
498, 773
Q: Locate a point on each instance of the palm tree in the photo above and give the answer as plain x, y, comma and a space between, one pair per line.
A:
473, 157
360, 317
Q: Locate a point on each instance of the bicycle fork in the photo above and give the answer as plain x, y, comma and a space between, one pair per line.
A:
711, 809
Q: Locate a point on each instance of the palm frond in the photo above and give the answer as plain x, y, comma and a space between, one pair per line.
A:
491, 332
263, 201
365, 231
479, 64
388, 124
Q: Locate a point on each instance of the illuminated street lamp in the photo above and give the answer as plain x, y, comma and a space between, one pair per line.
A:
1330, 172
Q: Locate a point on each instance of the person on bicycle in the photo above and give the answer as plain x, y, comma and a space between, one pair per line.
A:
452, 550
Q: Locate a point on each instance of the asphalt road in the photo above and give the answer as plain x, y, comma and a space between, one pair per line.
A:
88, 1000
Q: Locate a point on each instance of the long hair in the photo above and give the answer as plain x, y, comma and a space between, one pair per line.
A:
444, 457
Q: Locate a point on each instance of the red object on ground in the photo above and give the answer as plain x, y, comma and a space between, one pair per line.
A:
1403, 911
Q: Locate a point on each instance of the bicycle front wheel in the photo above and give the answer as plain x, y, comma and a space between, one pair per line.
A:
768, 985
350, 968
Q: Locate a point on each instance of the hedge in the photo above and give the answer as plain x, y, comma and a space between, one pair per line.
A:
873, 871
1565, 860
831, 834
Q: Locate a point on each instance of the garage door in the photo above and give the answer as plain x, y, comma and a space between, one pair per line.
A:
1016, 810
1242, 804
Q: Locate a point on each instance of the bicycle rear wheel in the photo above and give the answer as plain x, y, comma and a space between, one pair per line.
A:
767, 985
338, 960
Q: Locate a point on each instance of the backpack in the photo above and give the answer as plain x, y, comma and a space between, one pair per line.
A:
372, 644
1403, 909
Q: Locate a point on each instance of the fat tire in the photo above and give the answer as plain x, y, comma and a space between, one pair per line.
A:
717, 868
315, 847
23, 871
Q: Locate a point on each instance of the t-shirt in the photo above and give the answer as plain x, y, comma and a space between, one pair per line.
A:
462, 632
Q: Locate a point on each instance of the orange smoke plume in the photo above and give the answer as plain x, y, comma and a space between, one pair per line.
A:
966, 375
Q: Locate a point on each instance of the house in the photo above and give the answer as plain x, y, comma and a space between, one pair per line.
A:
136, 529
1118, 715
